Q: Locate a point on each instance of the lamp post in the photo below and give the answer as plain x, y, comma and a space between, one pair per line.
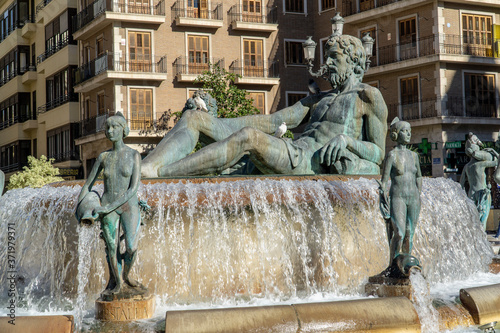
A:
367, 42
337, 24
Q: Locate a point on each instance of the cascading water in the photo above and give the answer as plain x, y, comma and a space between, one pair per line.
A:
234, 242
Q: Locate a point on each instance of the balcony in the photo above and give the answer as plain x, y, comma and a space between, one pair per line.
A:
241, 19
8, 76
197, 17
442, 45
57, 102
111, 66
13, 167
19, 24
349, 6
186, 70
17, 119
94, 124
102, 12
255, 72
451, 107
73, 154
53, 50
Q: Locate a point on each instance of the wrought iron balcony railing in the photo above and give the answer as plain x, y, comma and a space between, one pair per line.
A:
436, 44
17, 119
179, 10
12, 167
186, 65
111, 62
349, 6
65, 156
258, 69
99, 7
450, 107
94, 124
240, 13
54, 49
57, 102
16, 71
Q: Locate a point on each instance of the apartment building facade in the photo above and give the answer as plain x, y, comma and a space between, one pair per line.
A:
39, 110
437, 65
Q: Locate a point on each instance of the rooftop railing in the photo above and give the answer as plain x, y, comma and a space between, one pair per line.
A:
131, 63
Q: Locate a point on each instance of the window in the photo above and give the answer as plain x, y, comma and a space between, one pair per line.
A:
372, 32
15, 109
258, 101
477, 35
99, 46
327, 4
61, 143
294, 6
408, 38
479, 95
197, 8
409, 97
139, 7
197, 54
252, 11
141, 108
366, 5
58, 34
294, 53
59, 89
140, 51
15, 155
253, 57
101, 108
292, 98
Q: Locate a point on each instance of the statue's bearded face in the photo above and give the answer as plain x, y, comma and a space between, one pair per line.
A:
340, 68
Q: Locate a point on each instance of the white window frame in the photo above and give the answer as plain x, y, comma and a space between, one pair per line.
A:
321, 10
266, 109
296, 13
284, 53
129, 111
495, 75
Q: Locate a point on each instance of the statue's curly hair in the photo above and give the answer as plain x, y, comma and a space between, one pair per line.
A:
353, 48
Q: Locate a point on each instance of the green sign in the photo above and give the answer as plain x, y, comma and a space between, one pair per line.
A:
453, 144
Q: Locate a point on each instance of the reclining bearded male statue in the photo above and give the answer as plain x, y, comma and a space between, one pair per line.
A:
345, 132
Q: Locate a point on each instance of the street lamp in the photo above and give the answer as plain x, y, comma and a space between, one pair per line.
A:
367, 42
337, 24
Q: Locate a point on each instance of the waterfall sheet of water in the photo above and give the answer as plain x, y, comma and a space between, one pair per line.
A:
242, 242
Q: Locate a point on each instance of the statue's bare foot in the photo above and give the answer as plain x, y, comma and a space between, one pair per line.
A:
131, 282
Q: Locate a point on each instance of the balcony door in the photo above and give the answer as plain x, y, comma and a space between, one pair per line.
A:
480, 95
141, 108
139, 6
252, 11
197, 54
253, 58
408, 88
408, 38
140, 51
477, 32
197, 8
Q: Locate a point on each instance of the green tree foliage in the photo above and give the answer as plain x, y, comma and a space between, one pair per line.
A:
38, 173
232, 101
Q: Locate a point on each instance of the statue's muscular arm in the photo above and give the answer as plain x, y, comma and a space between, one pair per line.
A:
372, 147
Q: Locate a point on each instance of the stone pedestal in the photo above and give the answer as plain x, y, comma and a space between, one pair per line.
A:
125, 306
388, 287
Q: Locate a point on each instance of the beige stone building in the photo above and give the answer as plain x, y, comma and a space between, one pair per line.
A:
39, 109
435, 62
